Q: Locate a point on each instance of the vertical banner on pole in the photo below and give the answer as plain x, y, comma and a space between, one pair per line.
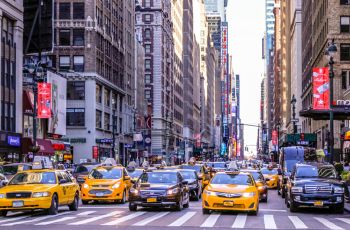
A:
44, 100
320, 88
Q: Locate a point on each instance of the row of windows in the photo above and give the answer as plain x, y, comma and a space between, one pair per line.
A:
66, 11
67, 37
65, 63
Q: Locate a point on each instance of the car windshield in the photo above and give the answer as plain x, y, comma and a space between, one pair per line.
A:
10, 169
238, 179
84, 168
290, 164
194, 167
159, 178
257, 176
33, 178
218, 165
188, 175
135, 173
269, 171
106, 173
312, 171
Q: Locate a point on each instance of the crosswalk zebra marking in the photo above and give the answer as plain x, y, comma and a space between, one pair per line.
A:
297, 222
151, 219
240, 221
13, 219
86, 213
96, 218
344, 220
125, 218
35, 219
269, 222
57, 221
183, 219
328, 224
210, 221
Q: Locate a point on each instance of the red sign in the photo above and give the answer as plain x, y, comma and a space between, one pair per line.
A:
95, 152
320, 88
274, 137
44, 100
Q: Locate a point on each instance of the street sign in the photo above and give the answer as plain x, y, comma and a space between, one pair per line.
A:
295, 120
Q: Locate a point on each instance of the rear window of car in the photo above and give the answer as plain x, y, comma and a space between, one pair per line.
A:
84, 168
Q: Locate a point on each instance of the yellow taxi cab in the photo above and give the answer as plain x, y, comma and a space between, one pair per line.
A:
231, 191
271, 177
106, 183
45, 189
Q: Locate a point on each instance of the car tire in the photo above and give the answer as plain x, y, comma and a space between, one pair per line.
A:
187, 205
293, 207
85, 202
179, 206
205, 211
123, 200
338, 209
3, 213
75, 205
132, 207
283, 193
53, 210
255, 213
197, 196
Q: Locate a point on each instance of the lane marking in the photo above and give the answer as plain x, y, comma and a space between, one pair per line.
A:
210, 221
13, 219
150, 219
344, 220
269, 222
298, 223
96, 218
35, 219
183, 219
99, 207
124, 218
56, 221
327, 223
86, 213
240, 221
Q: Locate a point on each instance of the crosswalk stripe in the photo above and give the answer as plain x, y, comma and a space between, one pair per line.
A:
240, 221
269, 222
344, 220
96, 218
124, 218
86, 213
56, 221
327, 223
12, 219
298, 223
150, 219
182, 219
35, 219
210, 221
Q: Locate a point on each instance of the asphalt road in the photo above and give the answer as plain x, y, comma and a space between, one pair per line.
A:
272, 215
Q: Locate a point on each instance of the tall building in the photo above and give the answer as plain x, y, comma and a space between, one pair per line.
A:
197, 75
11, 50
216, 6
154, 26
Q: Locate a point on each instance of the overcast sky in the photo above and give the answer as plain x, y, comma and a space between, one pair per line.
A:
246, 29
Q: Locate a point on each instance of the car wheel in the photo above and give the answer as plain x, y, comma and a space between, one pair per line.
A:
255, 213
197, 197
53, 210
3, 213
85, 202
123, 200
338, 209
75, 205
293, 207
205, 211
132, 207
283, 193
187, 205
179, 206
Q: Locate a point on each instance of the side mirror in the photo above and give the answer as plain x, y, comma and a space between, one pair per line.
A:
63, 181
127, 178
4, 183
200, 178
185, 182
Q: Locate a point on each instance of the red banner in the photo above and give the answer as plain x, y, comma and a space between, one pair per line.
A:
44, 100
274, 137
320, 88
95, 152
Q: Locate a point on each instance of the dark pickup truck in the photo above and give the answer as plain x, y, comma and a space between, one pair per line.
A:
315, 185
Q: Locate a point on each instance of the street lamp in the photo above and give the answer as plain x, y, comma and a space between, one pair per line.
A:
330, 53
114, 127
293, 101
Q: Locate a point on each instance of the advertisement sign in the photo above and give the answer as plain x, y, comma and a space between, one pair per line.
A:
57, 123
320, 88
274, 137
44, 100
95, 152
14, 141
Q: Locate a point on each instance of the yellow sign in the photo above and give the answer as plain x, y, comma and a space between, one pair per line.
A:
347, 136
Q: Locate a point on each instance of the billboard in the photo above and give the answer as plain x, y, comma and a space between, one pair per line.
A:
57, 123
320, 88
44, 100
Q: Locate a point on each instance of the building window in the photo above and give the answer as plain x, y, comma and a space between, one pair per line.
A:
344, 52
345, 79
147, 18
98, 119
76, 90
147, 48
148, 33
78, 37
345, 24
148, 79
64, 63
64, 10
64, 37
106, 97
78, 63
107, 125
147, 3
147, 64
75, 117
148, 94
78, 10
98, 93
344, 2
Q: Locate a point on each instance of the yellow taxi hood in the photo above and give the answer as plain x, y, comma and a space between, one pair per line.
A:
102, 181
228, 188
27, 188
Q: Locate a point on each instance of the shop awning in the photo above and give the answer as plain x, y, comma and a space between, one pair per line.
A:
45, 146
28, 102
339, 114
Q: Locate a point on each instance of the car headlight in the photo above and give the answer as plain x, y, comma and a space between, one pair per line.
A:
297, 189
134, 191
2, 196
86, 186
210, 193
172, 191
248, 194
261, 187
115, 186
338, 190
41, 194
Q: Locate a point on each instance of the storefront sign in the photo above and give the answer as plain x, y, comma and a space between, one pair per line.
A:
104, 141
14, 141
320, 83
95, 152
44, 100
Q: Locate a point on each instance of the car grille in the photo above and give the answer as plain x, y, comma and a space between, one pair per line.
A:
153, 193
100, 186
218, 205
104, 191
229, 195
16, 195
318, 189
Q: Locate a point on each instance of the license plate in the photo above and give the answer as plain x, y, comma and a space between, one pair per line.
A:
228, 203
100, 194
151, 200
17, 204
318, 203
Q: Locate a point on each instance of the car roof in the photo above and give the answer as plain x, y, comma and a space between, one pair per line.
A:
15, 164
313, 164
109, 167
186, 170
251, 170
164, 170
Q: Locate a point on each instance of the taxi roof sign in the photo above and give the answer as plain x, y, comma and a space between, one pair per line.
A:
109, 162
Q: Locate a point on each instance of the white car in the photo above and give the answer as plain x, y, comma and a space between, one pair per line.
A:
3, 180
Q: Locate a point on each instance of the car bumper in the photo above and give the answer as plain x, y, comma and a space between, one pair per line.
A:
317, 200
239, 204
96, 194
272, 183
28, 204
166, 201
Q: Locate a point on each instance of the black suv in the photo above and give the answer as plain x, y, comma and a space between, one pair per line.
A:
194, 183
160, 188
315, 185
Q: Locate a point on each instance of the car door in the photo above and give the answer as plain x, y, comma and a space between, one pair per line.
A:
183, 188
70, 187
61, 191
